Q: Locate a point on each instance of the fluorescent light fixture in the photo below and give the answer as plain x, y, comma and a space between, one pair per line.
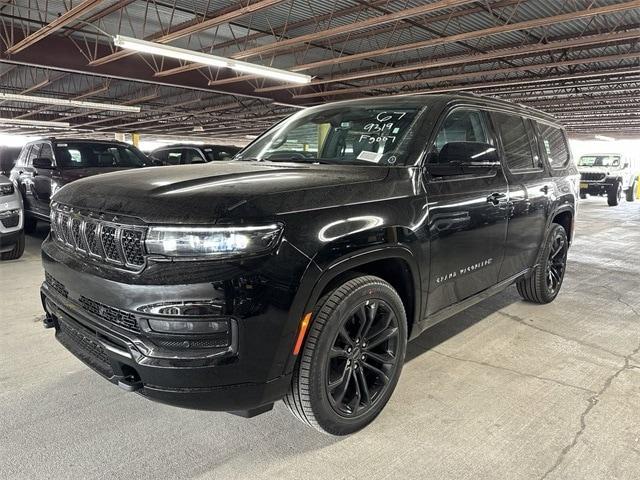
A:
154, 48
14, 97
33, 123
605, 138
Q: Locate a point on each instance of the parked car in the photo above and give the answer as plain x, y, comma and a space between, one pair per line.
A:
8, 156
11, 221
44, 166
300, 270
192, 153
610, 175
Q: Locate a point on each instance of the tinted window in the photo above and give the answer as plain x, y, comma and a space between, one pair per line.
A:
174, 156
462, 126
191, 155
33, 153
223, 153
554, 144
46, 151
160, 155
97, 155
516, 141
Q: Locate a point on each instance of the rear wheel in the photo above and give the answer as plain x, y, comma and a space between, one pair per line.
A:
30, 224
18, 249
352, 357
544, 284
614, 195
631, 192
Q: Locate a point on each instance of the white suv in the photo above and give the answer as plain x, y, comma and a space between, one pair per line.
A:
11, 221
610, 174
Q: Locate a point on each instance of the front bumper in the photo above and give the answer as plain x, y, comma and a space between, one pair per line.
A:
199, 383
252, 371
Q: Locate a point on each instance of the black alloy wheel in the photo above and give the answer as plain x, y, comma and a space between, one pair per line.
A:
556, 262
352, 356
363, 358
543, 285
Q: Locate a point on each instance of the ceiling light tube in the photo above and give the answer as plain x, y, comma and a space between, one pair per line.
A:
604, 138
154, 48
33, 123
14, 97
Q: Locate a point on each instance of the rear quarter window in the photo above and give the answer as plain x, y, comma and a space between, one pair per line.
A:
554, 144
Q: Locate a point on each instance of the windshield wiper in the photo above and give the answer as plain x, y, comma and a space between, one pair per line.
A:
302, 160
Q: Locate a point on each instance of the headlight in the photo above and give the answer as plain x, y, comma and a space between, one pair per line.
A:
6, 189
212, 241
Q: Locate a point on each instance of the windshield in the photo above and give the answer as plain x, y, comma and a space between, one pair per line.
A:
90, 155
599, 161
341, 135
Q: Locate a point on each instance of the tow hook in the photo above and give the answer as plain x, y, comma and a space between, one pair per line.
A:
48, 321
129, 383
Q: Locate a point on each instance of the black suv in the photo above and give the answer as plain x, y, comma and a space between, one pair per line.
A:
186, 154
44, 166
300, 270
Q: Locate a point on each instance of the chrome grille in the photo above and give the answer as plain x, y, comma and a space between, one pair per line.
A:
101, 239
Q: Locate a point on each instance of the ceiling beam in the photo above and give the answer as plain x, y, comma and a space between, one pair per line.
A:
474, 74
587, 41
196, 25
352, 27
63, 20
513, 27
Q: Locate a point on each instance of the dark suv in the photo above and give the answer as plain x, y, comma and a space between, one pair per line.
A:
300, 270
44, 166
186, 154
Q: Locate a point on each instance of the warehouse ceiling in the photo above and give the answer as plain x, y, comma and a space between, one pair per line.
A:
576, 59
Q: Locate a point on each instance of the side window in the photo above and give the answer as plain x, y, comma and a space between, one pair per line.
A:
191, 155
160, 155
462, 126
173, 157
554, 144
516, 141
33, 153
46, 152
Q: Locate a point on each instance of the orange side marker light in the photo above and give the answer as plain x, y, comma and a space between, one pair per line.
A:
304, 325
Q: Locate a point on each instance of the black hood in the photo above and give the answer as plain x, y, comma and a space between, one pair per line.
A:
208, 192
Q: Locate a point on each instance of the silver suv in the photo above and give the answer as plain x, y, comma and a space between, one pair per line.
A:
610, 174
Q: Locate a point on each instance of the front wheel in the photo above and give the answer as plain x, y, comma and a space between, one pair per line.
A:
614, 195
545, 282
352, 357
17, 251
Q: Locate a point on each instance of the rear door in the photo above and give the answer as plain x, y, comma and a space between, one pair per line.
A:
530, 191
467, 215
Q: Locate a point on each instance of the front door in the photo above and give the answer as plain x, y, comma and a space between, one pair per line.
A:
467, 212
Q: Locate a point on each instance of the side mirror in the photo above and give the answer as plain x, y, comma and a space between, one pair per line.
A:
42, 162
460, 158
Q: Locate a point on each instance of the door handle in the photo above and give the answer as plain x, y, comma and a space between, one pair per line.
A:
545, 189
496, 198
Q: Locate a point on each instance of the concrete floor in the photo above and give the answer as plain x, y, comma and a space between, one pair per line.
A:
506, 390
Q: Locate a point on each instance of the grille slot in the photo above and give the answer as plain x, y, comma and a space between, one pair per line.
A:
107, 241
112, 315
592, 176
56, 285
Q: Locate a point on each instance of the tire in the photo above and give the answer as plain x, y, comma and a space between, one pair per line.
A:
336, 353
631, 192
543, 286
614, 195
583, 196
30, 224
17, 251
